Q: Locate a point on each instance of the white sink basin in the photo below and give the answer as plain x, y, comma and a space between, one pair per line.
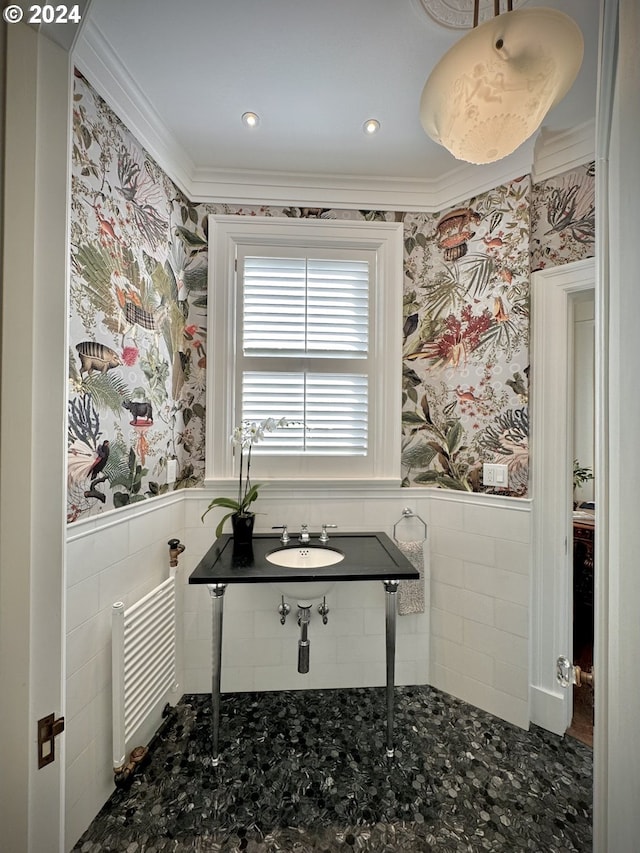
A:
305, 558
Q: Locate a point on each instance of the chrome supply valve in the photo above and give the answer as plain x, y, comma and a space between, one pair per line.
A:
323, 536
285, 534
283, 609
323, 610
304, 534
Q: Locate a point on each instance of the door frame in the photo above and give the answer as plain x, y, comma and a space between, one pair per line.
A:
552, 292
35, 259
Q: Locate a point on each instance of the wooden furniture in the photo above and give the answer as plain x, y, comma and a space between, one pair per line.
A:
583, 537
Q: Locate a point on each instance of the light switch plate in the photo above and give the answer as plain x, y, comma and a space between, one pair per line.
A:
172, 470
495, 475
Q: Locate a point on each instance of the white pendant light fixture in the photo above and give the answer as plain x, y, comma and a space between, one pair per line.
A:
491, 91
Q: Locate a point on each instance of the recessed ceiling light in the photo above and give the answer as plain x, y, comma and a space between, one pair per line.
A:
371, 126
251, 119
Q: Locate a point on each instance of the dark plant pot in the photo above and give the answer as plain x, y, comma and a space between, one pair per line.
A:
243, 528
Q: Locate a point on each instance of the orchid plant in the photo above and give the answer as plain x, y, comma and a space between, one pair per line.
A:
244, 437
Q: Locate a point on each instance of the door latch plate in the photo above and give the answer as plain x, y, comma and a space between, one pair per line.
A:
48, 729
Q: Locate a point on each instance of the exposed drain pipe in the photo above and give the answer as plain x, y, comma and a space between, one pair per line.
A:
304, 615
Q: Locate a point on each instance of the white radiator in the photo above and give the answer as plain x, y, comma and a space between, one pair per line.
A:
143, 666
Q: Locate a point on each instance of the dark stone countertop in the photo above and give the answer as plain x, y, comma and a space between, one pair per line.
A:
368, 556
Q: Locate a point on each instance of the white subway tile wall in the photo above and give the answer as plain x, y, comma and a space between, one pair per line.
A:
119, 557
480, 594
472, 641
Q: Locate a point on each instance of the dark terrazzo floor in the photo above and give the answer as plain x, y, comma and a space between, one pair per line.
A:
306, 771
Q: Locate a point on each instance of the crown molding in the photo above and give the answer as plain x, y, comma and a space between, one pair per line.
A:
549, 154
419, 195
559, 151
94, 57
67, 35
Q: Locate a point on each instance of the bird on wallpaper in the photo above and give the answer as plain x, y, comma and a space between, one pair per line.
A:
97, 466
466, 396
519, 386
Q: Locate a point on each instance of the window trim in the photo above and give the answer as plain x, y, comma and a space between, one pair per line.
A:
226, 232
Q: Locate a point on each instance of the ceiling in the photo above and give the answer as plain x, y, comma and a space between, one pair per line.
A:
313, 70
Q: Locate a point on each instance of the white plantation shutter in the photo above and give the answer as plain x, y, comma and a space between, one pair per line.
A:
305, 306
328, 411
304, 328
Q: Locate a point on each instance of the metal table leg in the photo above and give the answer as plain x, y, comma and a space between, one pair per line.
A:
216, 591
391, 589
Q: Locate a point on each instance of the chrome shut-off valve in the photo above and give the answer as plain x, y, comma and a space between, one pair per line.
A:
284, 610
323, 610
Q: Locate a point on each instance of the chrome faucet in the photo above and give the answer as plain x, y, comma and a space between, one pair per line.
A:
304, 534
323, 536
285, 534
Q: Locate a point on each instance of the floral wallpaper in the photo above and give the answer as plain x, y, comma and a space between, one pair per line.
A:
137, 349
466, 327
563, 221
138, 303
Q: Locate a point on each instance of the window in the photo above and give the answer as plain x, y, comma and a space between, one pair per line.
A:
304, 322
304, 347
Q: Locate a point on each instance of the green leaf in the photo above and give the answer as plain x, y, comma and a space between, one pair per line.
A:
412, 419
107, 391
251, 496
409, 375
425, 409
454, 435
452, 483
419, 457
190, 239
196, 278
428, 477
225, 503
478, 270
221, 525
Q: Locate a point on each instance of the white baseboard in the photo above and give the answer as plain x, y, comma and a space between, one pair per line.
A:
549, 710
